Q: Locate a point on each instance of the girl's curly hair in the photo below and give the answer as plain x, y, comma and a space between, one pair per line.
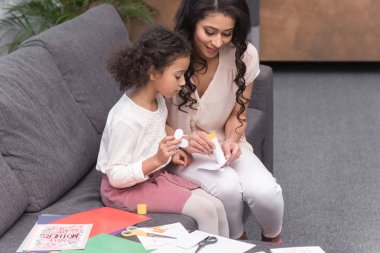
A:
187, 16
158, 47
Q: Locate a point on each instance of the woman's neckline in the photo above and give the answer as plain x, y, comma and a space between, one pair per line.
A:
210, 84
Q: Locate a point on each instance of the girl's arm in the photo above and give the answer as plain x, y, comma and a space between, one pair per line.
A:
233, 129
182, 157
168, 147
169, 129
121, 168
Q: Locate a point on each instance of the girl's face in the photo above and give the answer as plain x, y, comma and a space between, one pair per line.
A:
211, 33
171, 80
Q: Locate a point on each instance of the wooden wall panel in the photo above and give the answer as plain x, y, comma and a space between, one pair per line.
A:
320, 30
165, 11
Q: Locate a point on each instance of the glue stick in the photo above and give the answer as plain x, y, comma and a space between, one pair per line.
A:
218, 152
141, 209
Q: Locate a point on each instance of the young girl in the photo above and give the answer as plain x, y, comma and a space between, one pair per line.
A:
219, 82
134, 148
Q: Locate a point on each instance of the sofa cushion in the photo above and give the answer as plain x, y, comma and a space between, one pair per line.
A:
255, 131
44, 136
81, 48
11, 240
84, 196
13, 198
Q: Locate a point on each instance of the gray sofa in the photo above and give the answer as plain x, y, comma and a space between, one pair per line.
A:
55, 93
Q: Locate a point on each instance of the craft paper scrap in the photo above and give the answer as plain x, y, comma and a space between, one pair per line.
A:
309, 249
45, 237
206, 163
105, 219
47, 218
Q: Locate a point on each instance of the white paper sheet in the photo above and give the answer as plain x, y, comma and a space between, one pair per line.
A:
175, 230
223, 245
206, 163
172, 249
188, 241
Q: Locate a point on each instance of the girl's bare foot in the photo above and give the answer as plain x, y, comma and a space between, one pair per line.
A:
276, 239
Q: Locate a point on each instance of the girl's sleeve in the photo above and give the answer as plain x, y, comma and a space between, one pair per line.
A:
251, 60
121, 169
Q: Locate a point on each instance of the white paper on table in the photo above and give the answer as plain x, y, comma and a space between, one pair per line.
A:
188, 241
172, 249
224, 245
205, 162
309, 249
174, 229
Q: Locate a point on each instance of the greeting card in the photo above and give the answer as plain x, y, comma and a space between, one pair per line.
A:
46, 237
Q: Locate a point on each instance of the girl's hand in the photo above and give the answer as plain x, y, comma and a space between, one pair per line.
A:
200, 143
182, 158
231, 151
167, 148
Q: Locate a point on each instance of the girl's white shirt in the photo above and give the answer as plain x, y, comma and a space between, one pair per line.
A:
132, 134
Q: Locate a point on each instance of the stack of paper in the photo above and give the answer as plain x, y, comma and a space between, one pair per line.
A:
55, 232
104, 219
186, 242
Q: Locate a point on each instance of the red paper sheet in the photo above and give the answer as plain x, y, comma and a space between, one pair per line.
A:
104, 219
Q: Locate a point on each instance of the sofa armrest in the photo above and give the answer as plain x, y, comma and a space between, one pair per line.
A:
262, 99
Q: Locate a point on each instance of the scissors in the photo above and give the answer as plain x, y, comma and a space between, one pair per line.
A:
135, 231
208, 240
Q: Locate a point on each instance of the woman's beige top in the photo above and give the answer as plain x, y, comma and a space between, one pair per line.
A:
217, 102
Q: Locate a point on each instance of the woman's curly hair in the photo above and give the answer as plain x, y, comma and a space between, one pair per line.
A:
187, 16
158, 47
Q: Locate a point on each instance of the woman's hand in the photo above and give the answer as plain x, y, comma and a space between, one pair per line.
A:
182, 158
231, 151
168, 147
200, 143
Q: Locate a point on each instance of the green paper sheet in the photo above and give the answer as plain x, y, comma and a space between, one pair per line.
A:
102, 243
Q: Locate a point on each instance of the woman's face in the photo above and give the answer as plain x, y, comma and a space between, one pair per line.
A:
211, 33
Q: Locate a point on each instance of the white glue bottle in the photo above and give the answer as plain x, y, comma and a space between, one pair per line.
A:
218, 152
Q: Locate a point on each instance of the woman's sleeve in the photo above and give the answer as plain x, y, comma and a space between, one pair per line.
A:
251, 60
121, 170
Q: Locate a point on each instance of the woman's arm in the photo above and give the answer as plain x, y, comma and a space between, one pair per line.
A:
198, 142
234, 130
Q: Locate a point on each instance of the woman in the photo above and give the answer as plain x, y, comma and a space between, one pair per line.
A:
218, 87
